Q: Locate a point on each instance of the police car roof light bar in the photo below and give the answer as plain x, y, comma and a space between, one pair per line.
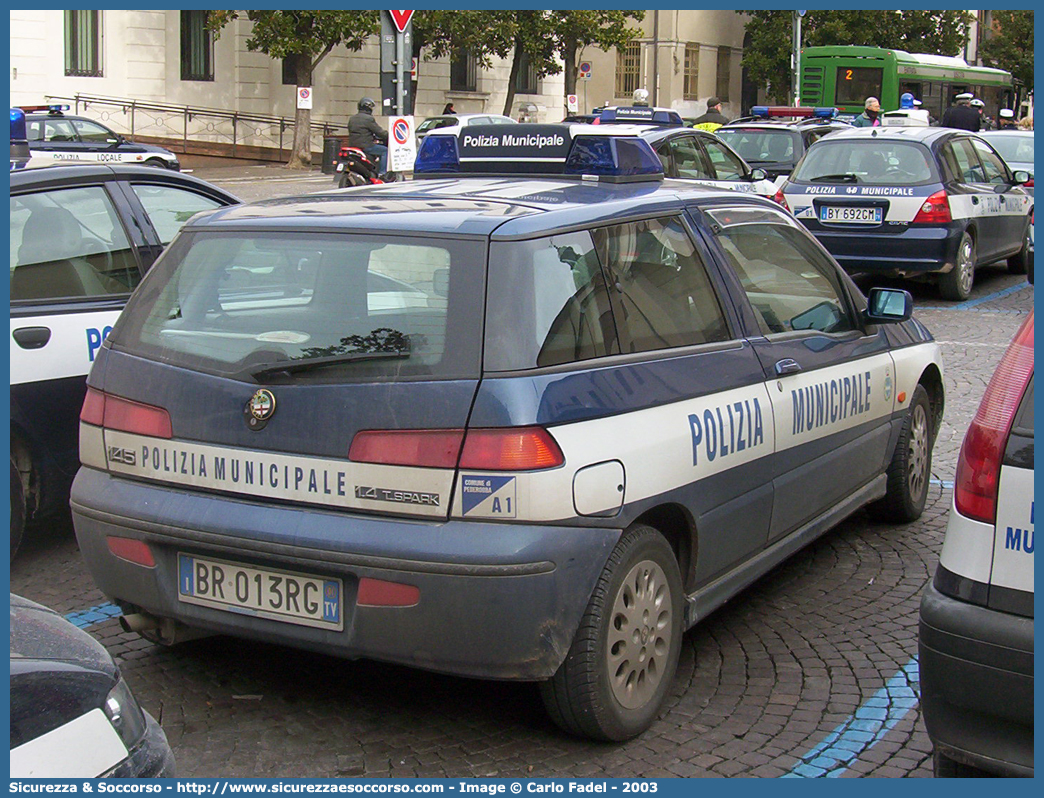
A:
51, 109
526, 150
663, 117
794, 112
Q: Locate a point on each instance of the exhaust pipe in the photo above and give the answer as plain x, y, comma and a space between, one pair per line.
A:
139, 622
165, 631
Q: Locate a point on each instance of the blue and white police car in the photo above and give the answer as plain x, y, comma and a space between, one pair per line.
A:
914, 202
622, 401
773, 138
81, 236
56, 136
975, 641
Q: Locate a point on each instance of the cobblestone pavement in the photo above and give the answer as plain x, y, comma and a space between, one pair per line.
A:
810, 672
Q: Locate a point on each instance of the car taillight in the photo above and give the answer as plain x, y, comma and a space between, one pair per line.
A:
781, 199
978, 467
517, 449
116, 413
934, 210
511, 449
429, 448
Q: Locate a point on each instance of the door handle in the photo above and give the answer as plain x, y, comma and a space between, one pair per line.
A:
787, 366
32, 337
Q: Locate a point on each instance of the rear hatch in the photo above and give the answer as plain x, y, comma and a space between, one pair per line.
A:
249, 362
874, 184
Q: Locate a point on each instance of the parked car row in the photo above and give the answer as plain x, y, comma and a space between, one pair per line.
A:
765, 370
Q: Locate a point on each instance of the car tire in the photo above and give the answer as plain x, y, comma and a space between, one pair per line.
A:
157, 162
17, 509
1019, 262
612, 685
911, 467
945, 768
956, 284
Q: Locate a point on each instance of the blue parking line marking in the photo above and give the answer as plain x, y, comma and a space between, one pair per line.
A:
86, 618
862, 730
972, 303
946, 484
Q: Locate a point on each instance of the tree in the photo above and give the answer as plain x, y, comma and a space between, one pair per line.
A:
489, 34
767, 57
1009, 45
306, 38
575, 30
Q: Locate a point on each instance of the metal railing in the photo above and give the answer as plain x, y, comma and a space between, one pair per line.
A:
193, 123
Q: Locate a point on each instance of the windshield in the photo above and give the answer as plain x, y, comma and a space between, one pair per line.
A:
310, 306
759, 145
1013, 148
874, 162
436, 122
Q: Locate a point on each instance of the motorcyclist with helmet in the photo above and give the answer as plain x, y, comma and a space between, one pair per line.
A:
368, 136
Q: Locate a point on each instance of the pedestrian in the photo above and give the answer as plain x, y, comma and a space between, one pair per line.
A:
961, 115
713, 118
1026, 123
985, 123
1005, 119
871, 112
365, 134
448, 109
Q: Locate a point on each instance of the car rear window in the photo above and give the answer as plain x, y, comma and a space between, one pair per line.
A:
880, 162
311, 306
759, 145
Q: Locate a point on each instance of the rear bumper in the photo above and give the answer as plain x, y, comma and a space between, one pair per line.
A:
915, 250
496, 600
976, 668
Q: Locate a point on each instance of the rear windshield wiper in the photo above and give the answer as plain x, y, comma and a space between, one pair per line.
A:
290, 366
848, 177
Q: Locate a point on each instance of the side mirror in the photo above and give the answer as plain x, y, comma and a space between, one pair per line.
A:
1021, 176
888, 306
758, 174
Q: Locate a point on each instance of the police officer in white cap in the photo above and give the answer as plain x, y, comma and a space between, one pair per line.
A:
962, 115
1005, 119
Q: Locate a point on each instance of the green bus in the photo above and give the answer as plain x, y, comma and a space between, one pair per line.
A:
844, 76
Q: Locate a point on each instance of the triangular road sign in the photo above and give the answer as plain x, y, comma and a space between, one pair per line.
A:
401, 19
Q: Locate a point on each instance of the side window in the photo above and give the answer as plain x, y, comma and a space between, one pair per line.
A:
969, 170
58, 130
169, 207
794, 287
89, 131
69, 243
726, 165
547, 303
663, 295
992, 164
688, 159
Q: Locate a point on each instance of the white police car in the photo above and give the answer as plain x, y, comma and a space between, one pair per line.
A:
698, 155
56, 136
624, 400
915, 202
975, 640
81, 236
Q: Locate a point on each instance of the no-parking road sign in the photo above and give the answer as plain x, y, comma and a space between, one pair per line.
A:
402, 144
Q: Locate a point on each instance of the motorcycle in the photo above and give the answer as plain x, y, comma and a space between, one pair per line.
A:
356, 168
